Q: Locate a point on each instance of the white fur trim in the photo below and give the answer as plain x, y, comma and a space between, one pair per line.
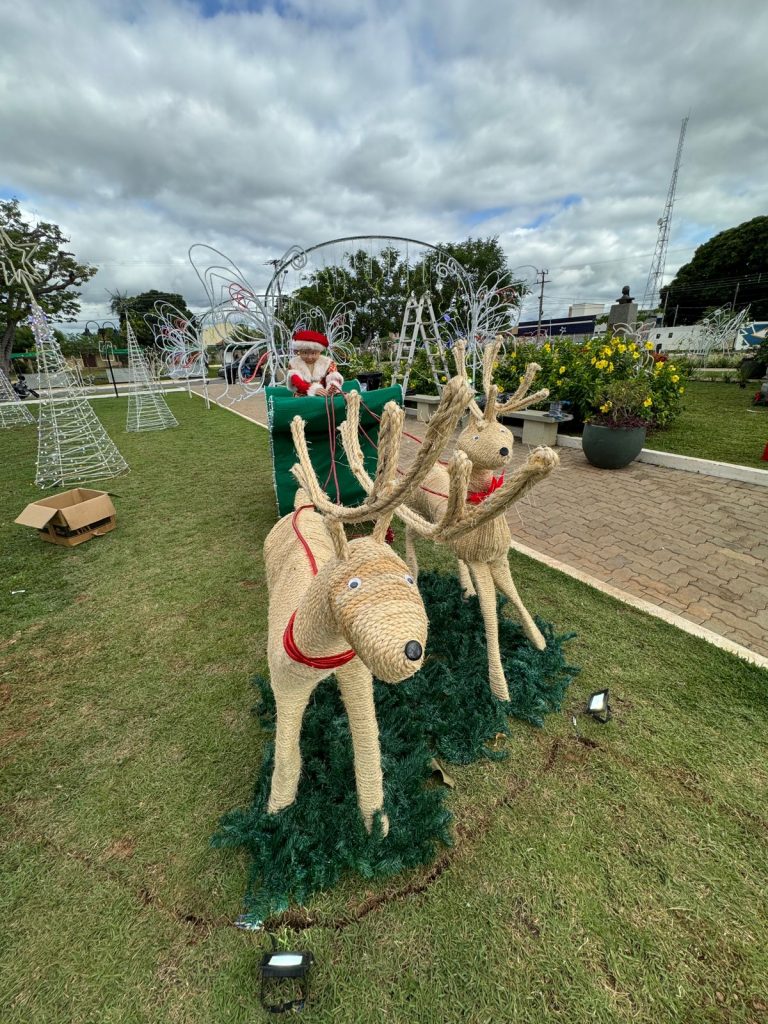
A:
313, 346
315, 389
334, 377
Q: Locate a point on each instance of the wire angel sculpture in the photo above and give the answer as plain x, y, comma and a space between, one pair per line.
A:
255, 343
336, 326
480, 315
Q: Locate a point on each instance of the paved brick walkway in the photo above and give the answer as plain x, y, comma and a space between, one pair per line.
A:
694, 545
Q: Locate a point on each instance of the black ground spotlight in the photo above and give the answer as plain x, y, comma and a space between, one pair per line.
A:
598, 706
282, 973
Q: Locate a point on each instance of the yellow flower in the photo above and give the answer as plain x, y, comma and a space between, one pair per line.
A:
545, 347
649, 345
648, 402
561, 370
671, 367
601, 364
635, 355
632, 347
681, 391
605, 351
675, 378
622, 348
610, 367
443, 379
593, 360
606, 407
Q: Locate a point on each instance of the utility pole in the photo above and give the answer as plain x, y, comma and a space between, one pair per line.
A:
735, 296
543, 275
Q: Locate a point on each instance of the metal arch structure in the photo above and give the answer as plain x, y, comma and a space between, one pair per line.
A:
297, 259
475, 312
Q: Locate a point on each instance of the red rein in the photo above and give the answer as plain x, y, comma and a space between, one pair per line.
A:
289, 642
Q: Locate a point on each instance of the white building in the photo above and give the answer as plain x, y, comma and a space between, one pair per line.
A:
586, 309
688, 339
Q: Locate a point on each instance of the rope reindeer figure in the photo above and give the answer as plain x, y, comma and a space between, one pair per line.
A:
474, 528
350, 607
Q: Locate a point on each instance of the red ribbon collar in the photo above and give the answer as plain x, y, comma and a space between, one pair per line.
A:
476, 497
293, 652
289, 641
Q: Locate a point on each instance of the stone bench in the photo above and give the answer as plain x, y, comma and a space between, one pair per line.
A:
538, 426
423, 407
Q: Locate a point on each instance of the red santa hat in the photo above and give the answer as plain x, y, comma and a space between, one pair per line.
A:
310, 339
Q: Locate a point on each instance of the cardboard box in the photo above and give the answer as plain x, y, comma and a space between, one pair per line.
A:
71, 517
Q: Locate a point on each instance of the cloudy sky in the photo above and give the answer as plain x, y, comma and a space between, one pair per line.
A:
142, 127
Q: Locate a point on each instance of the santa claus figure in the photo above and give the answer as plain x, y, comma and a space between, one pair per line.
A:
311, 371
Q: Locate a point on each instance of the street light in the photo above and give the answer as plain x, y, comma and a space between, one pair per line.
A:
105, 348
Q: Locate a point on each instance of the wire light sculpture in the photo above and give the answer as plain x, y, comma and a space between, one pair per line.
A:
255, 342
13, 412
717, 332
73, 446
147, 409
179, 341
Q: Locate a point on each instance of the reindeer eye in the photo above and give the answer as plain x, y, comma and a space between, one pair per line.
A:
476, 437
354, 583
409, 580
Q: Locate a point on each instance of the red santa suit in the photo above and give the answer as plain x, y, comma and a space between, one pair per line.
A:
306, 381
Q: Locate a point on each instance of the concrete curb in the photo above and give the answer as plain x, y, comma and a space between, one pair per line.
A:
648, 607
706, 467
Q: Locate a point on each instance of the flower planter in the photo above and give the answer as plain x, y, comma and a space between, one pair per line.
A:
612, 447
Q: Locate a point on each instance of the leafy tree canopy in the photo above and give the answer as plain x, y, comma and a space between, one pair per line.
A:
141, 310
730, 266
58, 276
379, 285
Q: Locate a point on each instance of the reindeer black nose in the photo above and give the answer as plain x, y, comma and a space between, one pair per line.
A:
503, 452
413, 650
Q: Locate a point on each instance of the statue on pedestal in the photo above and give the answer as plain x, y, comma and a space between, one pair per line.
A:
624, 310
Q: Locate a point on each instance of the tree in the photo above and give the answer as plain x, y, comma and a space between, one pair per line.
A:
141, 310
379, 285
57, 274
730, 269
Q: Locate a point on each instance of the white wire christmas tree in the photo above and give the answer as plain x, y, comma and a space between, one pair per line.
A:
73, 447
12, 412
147, 409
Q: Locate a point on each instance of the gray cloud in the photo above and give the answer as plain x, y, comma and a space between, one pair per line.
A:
142, 128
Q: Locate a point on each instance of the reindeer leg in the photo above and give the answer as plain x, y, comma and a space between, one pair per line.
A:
291, 704
356, 686
486, 594
465, 580
410, 554
502, 577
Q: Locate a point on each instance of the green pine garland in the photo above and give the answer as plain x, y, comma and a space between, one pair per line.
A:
446, 710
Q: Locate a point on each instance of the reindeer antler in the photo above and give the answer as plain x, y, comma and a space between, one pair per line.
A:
540, 463
459, 472
460, 358
521, 399
386, 491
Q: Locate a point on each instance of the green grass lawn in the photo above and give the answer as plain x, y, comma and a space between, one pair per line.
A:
619, 875
718, 422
